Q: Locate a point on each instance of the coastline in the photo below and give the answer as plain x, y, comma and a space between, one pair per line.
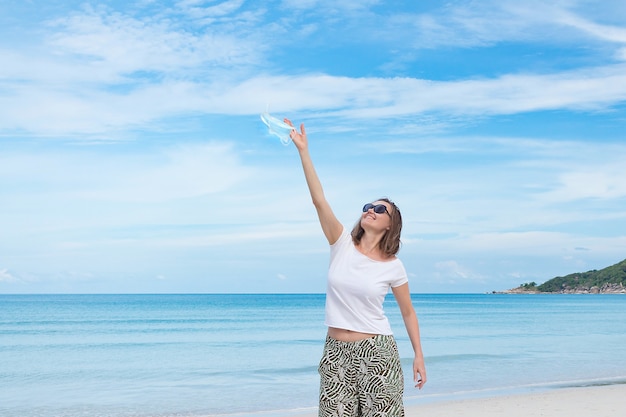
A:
609, 288
596, 401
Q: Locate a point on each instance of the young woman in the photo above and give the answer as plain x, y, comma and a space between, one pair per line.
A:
360, 371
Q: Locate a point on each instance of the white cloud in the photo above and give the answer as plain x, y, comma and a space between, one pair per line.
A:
608, 33
125, 44
99, 73
91, 111
7, 277
452, 271
186, 171
329, 7
102, 74
525, 244
71, 200
200, 237
485, 23
200, 9
607, 183
160, 174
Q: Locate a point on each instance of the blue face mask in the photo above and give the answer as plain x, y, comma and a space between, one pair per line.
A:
277, 128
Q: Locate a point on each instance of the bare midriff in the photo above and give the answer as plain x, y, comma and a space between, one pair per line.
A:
344, 335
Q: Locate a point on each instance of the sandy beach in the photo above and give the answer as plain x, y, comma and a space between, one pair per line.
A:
602, 401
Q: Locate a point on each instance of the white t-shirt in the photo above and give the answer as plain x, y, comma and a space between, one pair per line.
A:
357, 286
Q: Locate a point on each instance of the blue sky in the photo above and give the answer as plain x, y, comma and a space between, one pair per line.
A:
133, 158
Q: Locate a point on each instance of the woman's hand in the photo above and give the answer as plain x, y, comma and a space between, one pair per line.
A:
419, 372
299, 139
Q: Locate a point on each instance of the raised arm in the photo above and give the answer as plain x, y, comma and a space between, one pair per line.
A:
330, 225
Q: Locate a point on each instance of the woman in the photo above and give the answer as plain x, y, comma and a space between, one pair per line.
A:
360, 371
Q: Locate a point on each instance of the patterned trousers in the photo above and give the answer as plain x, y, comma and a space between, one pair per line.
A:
361, 379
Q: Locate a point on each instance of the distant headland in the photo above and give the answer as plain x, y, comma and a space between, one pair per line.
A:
610, 280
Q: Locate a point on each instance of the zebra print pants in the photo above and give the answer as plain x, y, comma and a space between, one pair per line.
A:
361, 379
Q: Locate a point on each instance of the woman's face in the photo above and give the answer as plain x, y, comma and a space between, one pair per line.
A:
375, 217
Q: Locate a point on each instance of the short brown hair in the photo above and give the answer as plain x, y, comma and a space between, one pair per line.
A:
390, 243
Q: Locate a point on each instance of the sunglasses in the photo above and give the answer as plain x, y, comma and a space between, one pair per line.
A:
378, 208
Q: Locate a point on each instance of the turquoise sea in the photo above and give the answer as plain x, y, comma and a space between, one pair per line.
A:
257, 354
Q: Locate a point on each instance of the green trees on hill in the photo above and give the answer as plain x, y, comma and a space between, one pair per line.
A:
614, 274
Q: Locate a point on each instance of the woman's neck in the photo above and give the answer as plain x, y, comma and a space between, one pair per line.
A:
370, 247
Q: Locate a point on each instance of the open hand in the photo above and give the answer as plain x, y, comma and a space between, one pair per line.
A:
299, 138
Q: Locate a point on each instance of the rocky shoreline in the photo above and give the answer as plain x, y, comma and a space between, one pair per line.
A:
604, 289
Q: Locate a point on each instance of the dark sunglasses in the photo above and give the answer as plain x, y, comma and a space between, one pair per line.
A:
378, 208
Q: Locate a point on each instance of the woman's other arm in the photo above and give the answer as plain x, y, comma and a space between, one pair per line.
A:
403, 297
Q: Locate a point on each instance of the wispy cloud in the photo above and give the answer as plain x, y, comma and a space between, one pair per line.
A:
6, 276
159, 174
487, 23
106, 72
604, 32
92, 111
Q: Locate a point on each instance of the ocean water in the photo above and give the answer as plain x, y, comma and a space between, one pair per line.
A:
247, 355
